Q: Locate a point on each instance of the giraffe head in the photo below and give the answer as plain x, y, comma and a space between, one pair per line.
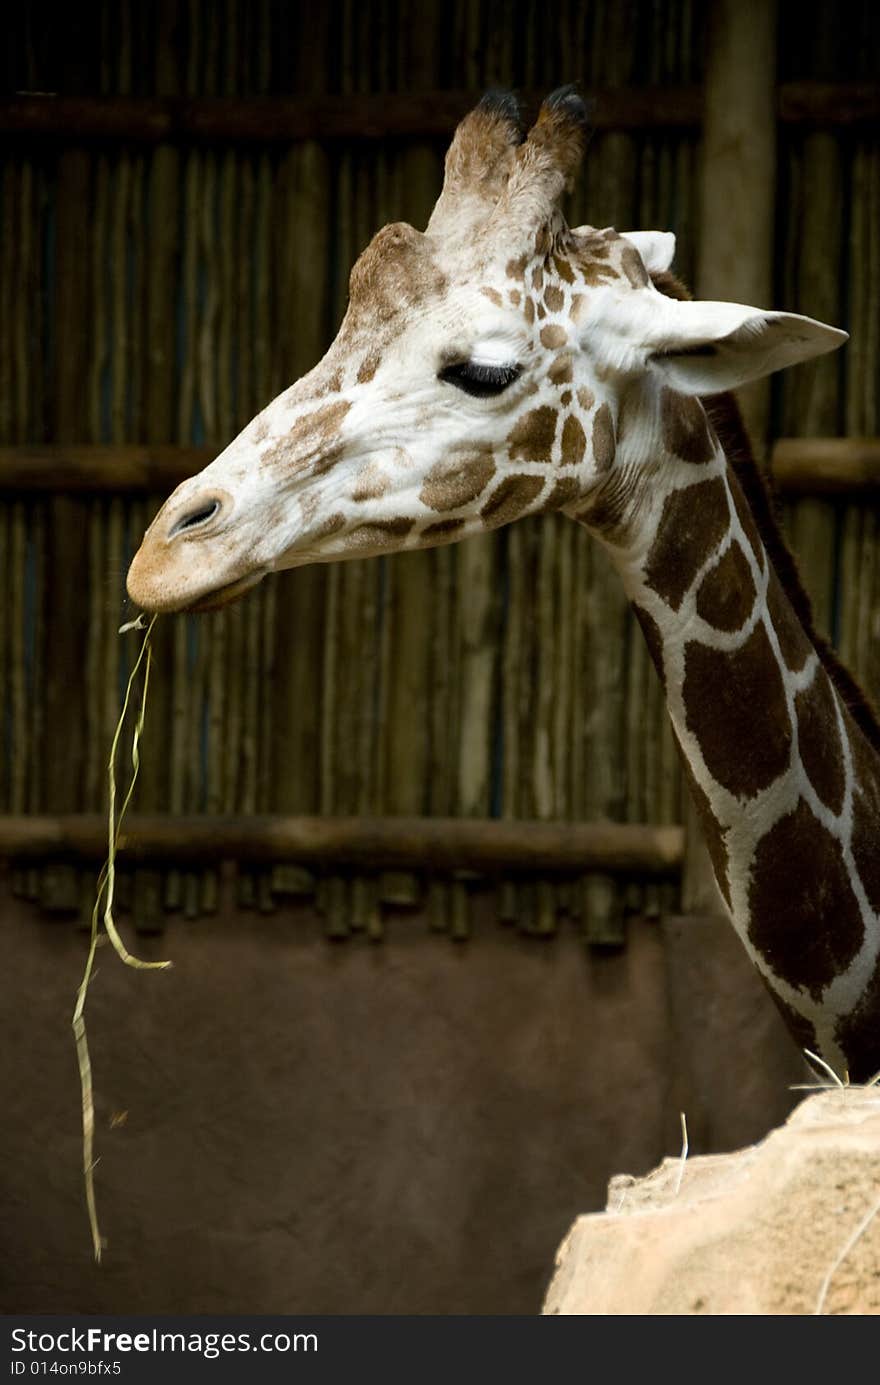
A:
480, 373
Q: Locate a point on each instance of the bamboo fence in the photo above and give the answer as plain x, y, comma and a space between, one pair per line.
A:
156, 292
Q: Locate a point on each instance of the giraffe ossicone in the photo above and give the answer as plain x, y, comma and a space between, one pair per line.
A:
502, 364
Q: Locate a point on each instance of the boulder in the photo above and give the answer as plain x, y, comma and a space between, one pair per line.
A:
789, 1225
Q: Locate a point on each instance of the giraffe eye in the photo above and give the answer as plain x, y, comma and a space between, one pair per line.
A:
480, 380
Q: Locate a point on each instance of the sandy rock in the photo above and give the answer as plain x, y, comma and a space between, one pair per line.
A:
768, 1229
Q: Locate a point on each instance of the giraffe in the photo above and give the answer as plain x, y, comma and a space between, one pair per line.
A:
503, 364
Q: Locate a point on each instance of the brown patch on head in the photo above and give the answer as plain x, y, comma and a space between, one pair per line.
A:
692, 525
368, 367
333, 384
511, 499
537, 278
603, 438
553, 337
515, 297
397, 269
311, 440
804, 915
560, 371
331, 525
793, 643
726, 594
565, 398
452, 483
379, 533
819, 741
529, 311
686, 428
653, 639
586, 398
866, 814
721, 691
370, 483
564, 491
443, 529
515, 269
633, 266
574, 442
577, 305
594, 273
540, 311
531, 439
494, 296
554, 298
563, 269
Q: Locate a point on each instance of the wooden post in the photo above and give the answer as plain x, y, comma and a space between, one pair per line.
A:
735, 255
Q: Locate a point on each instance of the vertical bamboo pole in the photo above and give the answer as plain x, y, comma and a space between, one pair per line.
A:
735, 254
735, 258
64, 696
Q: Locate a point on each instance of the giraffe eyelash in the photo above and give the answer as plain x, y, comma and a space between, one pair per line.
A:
480, 380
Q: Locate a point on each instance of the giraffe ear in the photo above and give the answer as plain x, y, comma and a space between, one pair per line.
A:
657, 248
705, 348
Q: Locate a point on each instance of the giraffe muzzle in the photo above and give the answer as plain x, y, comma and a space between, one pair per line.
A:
190, 558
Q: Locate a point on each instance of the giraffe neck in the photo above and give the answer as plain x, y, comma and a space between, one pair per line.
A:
785, 782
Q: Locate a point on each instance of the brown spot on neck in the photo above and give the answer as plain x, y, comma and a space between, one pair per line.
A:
735, 706
653, 639
685, 428
693, 522
858, 1033
866, 814
603, 438
793, 643
819, 743
564, 491
713, 832
726, 594
804, 916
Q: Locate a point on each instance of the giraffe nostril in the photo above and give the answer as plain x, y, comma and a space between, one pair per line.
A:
207, 510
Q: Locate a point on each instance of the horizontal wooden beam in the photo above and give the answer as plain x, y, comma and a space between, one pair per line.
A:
829, 103
384, 115
826, 466
105, 467
486, 845
800, 466
286, 119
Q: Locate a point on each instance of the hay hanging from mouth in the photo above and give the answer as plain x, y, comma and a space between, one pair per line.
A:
105, 894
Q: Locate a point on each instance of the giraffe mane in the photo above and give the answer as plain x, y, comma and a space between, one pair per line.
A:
724, 414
